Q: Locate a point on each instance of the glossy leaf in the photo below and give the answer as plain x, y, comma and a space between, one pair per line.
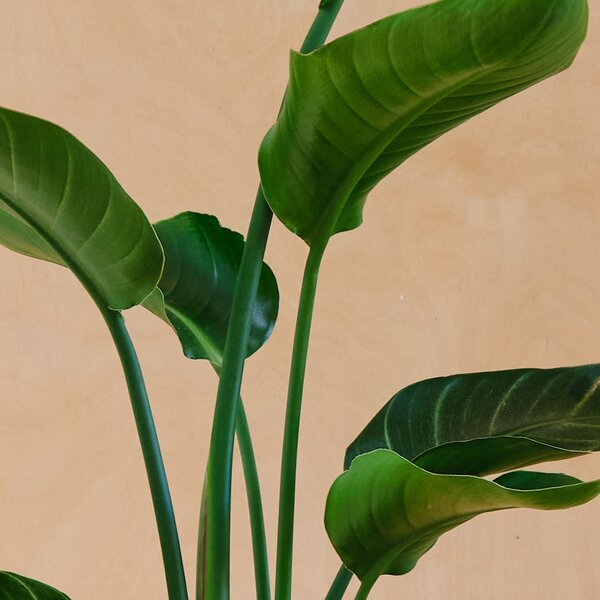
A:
361, 105
202, 260
384, 513
17, 587
482, 423
60, 203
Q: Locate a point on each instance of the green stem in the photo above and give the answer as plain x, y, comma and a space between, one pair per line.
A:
319, 30
365, 588
340, 584
328, 11
213, 570
285, 532
255, 508
257, 522
159, 488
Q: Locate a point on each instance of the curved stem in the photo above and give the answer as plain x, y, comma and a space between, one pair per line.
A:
213, 570
319, 30
255, 508
257, 522
159, 488
285, 532
364, 590
340, 584
328, 11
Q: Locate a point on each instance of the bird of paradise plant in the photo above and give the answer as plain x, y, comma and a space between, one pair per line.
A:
354, 110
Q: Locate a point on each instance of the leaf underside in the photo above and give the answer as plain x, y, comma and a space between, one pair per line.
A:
384, 513
361, 105
60, 203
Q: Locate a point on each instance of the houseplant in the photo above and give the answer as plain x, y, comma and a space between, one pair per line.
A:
267, 176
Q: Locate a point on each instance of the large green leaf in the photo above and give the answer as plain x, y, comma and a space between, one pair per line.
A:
202, 260
483, 423
60, 203
384, 513
17, 587
361, 105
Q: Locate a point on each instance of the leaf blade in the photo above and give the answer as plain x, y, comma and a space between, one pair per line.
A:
384, 513
361, 105
60, 203
195, 293
510, 419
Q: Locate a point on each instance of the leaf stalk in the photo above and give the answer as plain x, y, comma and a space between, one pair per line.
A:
257, 522
213, 570
155, 469
340, 584
289, 459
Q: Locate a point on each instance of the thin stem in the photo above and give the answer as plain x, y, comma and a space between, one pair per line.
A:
328, 11
255, 508
364, 590
285, 532
159, 488
257, 522
340, 584
319, 30
213, 570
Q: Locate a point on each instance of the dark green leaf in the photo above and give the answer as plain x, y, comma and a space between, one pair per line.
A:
202, 260
60, 203
384, 513
483, 423
529, 480
361, 105
17, 587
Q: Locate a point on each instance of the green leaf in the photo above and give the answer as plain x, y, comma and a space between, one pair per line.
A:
202, 260
482, 423
361, 105
384, 513
17, 587
60, 203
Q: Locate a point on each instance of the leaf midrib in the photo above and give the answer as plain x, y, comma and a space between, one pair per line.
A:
211, 349
69, 262
420, 534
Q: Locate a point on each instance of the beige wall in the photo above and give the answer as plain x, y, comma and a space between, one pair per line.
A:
480, 253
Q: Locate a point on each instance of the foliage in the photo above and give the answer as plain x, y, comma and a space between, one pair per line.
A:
354, 110
17, 587
195, 292
60, 203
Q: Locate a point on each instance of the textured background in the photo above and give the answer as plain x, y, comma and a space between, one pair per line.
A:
479, 253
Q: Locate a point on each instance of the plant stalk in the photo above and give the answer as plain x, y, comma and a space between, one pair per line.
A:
340, 584
255, 508
257, 522
285, 532
319, 30
317, 34
159, 488
213, 569
365, 589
